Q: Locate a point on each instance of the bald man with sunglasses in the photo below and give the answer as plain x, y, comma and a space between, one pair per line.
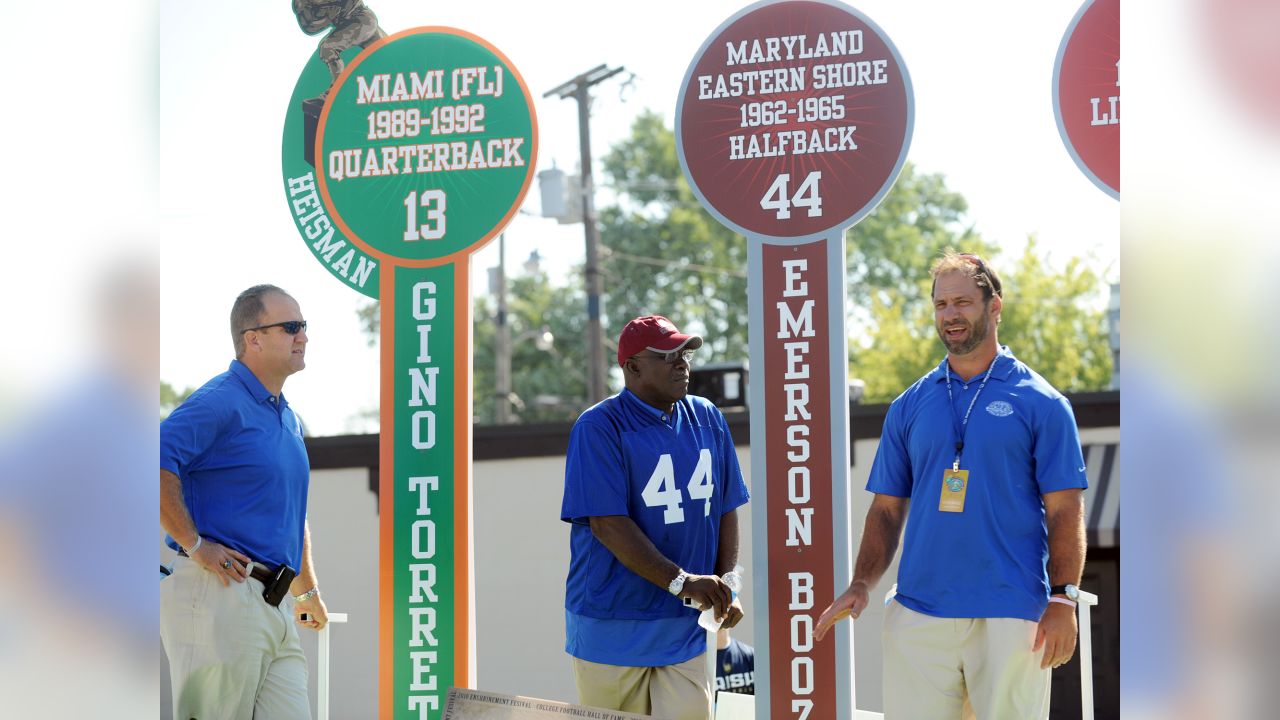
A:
233, 499
652, 486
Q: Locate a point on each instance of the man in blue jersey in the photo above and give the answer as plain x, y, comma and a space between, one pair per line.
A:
983, 457
735, 665
651, 487
233, 499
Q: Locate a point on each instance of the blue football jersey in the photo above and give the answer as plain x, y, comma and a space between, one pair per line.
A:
673, 475
736, 668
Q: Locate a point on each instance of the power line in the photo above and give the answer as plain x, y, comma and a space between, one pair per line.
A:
674, 264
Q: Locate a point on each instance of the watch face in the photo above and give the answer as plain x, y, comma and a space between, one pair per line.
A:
1073, 592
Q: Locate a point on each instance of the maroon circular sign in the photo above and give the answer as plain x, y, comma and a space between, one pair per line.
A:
1086, 92
794, 118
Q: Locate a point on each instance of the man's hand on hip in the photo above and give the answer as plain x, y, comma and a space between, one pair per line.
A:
222, 561
1056, 634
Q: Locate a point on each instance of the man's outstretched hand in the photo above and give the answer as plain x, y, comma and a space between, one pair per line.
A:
851, 603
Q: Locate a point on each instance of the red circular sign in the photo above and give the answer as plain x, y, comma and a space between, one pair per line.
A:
794, 119
1086, 92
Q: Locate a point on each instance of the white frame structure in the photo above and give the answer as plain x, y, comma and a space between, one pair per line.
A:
322, 667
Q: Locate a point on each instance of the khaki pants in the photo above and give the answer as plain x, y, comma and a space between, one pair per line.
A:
673, 692
952, 668
231, 655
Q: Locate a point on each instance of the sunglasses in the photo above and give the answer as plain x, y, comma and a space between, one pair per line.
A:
669, 357
293, 327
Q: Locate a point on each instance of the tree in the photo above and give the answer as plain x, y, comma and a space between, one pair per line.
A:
900, 345
663, 254
171, 397
547, 385
369, 319
1054, 322
1050, 320
918, 219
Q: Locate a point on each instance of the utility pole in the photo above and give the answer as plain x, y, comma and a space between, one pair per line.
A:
577, 88
502, 342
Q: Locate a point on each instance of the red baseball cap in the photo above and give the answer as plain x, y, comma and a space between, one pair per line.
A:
656, 333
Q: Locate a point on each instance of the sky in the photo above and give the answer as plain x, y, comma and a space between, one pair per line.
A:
984, 119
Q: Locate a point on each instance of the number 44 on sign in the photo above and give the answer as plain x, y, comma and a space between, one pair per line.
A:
807, 196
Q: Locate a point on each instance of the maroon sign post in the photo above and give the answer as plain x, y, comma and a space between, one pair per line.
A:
1086, 92
793, 122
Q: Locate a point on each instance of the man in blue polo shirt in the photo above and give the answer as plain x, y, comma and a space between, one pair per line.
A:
983, 458
651, 487
233, 499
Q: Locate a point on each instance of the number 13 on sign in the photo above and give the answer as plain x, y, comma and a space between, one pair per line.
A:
807, 196
433, 202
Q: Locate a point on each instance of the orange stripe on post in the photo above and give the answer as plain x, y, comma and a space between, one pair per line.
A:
462, 471
386, 495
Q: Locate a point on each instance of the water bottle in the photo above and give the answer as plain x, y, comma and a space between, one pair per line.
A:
708, 617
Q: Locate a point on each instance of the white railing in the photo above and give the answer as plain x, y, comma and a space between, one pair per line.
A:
1084, 602
322, 669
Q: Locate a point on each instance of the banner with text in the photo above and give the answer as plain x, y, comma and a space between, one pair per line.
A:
404, 154
793, 122
425, 598
1086, 92
798, 389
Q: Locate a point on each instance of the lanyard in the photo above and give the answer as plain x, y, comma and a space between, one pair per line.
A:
963, 425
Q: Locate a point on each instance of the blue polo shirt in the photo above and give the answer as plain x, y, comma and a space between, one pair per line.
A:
1022, 442
674, 475
243, 465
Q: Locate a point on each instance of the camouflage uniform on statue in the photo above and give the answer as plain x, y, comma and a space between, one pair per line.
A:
353, 24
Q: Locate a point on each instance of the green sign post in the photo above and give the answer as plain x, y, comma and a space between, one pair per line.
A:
395, 171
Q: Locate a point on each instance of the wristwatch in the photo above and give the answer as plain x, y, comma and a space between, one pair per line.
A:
1071, 591
678, 584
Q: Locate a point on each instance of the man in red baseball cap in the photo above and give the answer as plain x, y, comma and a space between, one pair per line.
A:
656, 333
652, 486
658, 384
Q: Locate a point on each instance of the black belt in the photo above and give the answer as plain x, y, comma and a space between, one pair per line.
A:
259, 571
275, 583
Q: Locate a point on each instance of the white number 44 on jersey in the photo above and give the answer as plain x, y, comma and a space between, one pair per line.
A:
661, 489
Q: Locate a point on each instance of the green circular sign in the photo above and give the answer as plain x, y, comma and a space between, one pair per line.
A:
424, 146
345, 260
